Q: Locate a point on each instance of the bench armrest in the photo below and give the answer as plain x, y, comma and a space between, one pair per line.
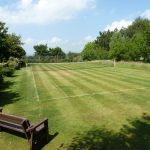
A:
34, 126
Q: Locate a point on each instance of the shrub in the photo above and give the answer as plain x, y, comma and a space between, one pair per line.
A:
8, 71
1, 75
13, 63
21, 63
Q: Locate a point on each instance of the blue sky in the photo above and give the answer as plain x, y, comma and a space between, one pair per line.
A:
69, 24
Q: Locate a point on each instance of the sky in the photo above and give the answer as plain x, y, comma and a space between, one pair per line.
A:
69, 24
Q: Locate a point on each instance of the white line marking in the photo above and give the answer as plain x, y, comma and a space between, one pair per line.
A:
37, 95
97, 93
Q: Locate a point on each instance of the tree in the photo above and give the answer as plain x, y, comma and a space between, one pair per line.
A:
57, 52
3, 34
118, 46
139, 25
10, 44
89, 51
13, 45
103, 40
132, 43
41, 49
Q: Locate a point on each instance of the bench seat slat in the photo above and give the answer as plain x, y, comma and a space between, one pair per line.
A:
10, 124
12, 128
11, 118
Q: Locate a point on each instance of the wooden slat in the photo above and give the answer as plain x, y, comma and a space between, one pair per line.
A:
12, 118
13, 127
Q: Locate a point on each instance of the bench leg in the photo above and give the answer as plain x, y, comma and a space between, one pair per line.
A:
0, 129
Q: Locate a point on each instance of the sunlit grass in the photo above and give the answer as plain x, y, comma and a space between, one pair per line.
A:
75, 97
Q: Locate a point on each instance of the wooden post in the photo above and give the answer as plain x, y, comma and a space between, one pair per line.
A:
114, 62
46, 130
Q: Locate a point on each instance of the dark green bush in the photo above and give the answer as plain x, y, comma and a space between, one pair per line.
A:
13, 63
8, 71
22, 63
1, 75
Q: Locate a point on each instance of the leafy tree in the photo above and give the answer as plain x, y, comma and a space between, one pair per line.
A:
101, 54
56, 52
10, 44
117, 46
41, 49
13, 44
89, 52
139, 25
103, 39
3, 34
132, 43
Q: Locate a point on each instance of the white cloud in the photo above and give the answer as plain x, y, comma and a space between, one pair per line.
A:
29, 41
88, 38
43, 11
55, 41
118, 24
25, 3
146, 14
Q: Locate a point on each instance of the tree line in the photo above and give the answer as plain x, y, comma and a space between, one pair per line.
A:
128, 44
46, 54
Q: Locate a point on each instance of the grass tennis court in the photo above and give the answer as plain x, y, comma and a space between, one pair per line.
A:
76, 98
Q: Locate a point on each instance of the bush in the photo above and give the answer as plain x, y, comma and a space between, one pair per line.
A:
22, 63
13, 63
1, 75
8, 71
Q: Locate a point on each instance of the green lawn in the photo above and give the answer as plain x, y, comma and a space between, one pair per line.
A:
79, 99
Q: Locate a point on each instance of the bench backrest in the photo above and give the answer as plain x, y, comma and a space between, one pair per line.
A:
11, 118
14, 123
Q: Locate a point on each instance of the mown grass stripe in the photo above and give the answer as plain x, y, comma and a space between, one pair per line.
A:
121, 78
98, 93
34, 83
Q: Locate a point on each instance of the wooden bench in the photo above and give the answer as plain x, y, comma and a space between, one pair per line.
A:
36, 134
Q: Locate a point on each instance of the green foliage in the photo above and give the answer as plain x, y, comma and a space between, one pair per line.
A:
74, 57
13, 63
45, 54
56, 52
13, 43
10, 44
41, 49
129, 44
3, 34
89, 52
1, 75
103, 40
8, 71
132, 44
118, 46
9, 68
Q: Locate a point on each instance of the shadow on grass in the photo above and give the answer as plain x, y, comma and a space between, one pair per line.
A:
40, 142
7, 96
135, 136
